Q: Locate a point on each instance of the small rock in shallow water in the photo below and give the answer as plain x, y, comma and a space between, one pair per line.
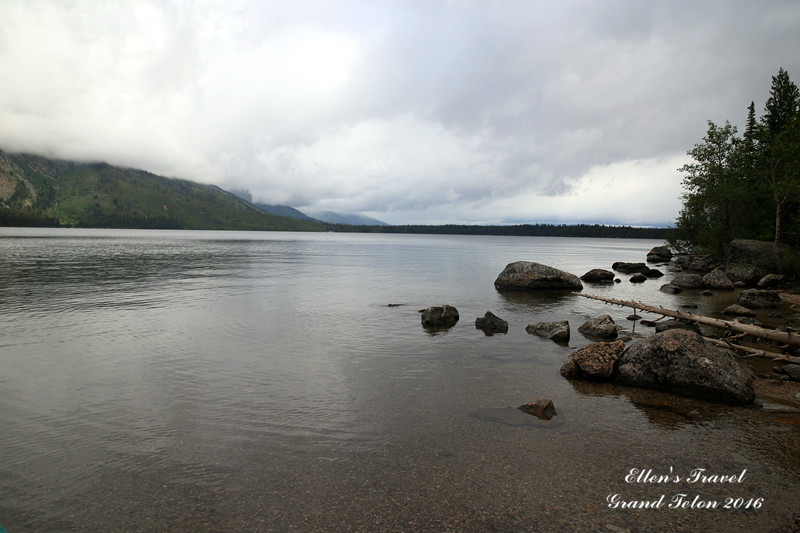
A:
737, 310
439, 316
556, 331
759, 299
491, 323
542, 408
599, 328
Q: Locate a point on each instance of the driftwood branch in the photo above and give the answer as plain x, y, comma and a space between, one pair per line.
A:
783, 337
754, 352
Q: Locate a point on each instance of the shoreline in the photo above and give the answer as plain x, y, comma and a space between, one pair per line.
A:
777, 390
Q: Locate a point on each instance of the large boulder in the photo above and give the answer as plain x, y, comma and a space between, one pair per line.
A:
737, 310
526, 275
749, 261
669, 288
556, 331
659, 254
601, 328
759, 299
688, 281
439, 316
491, 323
653, 273
771, 280
598, 275
789, 372
675, 323
594, 361
696, 262
630, 268
716, 279
684, 363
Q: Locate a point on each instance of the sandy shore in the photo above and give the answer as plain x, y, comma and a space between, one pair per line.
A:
777, 390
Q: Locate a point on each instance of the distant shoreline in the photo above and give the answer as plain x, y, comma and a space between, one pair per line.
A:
519, 230
522, 230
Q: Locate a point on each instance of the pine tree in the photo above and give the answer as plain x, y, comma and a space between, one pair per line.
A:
782, 104
750, 126
780, 145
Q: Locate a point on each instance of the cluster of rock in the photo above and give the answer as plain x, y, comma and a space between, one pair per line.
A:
676, 358
678, 361
749, 264
641, 272
440, 317
715, 280
789, 372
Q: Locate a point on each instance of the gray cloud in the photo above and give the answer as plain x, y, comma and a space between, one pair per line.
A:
426, 111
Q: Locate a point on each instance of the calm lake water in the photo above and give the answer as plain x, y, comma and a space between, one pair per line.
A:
236, 381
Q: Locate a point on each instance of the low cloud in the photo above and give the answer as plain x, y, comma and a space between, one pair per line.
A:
412, 112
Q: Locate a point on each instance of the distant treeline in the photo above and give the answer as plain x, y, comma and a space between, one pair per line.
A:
522, 230
129, 220
26, 218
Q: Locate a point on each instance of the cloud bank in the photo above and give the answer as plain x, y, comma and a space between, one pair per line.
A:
430, 111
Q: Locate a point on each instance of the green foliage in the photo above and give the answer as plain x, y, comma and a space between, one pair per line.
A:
782, 104
745, 187
11, 216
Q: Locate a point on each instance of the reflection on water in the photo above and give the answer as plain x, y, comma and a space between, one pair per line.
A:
222, 381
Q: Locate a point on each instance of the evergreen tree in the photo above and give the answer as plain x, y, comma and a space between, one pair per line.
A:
751, 125
782, 104
737, 187
779, 148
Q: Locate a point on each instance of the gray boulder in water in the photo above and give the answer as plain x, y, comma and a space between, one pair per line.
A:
688, 281
659, 254
556, 331
716, 279
684, 363
759, 299
439, 316
601, 328
598, 275
491, 323
526, 275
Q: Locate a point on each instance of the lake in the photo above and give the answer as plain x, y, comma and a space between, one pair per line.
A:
259, 381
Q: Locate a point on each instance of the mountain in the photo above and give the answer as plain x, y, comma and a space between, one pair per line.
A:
352, 219
280, 210
35, 190
284, 211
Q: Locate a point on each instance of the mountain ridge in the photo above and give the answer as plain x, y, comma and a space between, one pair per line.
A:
40, 191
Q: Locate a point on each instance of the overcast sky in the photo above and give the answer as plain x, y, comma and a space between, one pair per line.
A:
428, 111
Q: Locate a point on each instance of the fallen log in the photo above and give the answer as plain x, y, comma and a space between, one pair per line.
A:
783, 337
754, 352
